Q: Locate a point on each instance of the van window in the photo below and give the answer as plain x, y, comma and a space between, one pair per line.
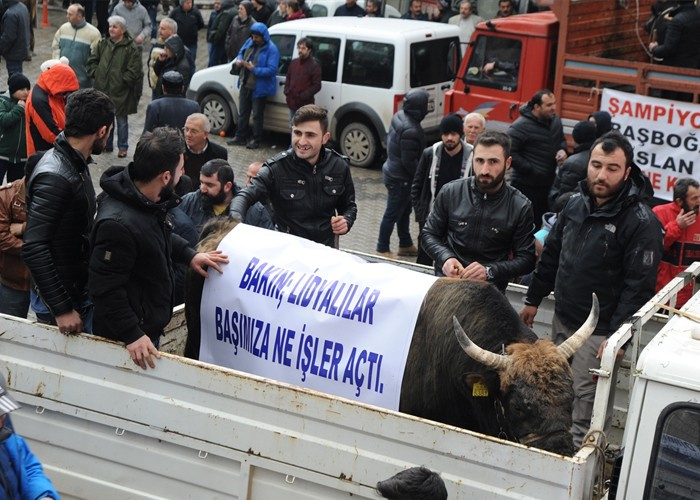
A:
675, 462
430, 62
327, 53
285, 44
318, 10
369, 64
505, 53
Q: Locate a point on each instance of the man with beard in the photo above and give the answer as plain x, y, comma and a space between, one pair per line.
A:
681, 234
60, 212
213, 198
481, 228
606, 241
199, 149
444, 161
133, 247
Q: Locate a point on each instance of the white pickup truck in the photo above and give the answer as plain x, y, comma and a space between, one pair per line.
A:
106, 429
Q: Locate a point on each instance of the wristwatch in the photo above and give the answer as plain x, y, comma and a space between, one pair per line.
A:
489, 273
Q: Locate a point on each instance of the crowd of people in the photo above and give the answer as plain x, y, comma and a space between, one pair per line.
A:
491, 206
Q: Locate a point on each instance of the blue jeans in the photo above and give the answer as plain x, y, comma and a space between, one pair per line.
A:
14, 302
14, 170
43, 315
13, 67
246, 104
193, 50
217, 55
398, 212
122, 129
152, 12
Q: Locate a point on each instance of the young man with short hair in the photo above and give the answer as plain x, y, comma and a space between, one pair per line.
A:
133, 247
606, 240
481, 228
309, 188
60, 213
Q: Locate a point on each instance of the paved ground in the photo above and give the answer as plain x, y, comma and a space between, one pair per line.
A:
371, 194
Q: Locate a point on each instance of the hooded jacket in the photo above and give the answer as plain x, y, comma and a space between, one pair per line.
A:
14, 31
13, 130
181, 63
216, 33
570, 173
603, 122
21, 473
138, 22
118, 72
534, 144
46, 107
266, 62
613, 250
131, 265
406, 139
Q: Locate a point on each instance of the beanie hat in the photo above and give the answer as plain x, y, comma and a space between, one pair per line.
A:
452, 123
584, 132
603, 122
18, 81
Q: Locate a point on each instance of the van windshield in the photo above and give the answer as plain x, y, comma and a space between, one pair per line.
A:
430, 61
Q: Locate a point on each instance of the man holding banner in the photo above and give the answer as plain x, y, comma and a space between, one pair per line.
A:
310, 187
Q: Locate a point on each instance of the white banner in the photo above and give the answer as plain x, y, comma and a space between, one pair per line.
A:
665, 135
292, 310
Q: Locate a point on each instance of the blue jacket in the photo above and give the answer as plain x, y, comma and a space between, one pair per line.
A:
21, 471
265, 69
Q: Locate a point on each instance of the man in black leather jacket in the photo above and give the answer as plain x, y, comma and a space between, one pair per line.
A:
481, 228
60, 212
310, 187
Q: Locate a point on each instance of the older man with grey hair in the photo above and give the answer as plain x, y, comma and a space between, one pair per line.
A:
466, 20
199, 149
166, 28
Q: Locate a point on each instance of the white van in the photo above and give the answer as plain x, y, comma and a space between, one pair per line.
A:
368, 65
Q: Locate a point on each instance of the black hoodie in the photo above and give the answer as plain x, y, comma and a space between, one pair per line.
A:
131, 278
406, 139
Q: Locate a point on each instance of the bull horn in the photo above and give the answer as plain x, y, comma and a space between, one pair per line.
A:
487, 358
573, 343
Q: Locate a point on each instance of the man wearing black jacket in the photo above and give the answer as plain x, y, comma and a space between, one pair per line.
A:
60, 212
133, 246
538, 144
608, 241
481, 228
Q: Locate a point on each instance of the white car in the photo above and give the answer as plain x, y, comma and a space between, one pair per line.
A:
368, 65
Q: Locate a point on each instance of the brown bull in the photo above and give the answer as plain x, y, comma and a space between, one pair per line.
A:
525, 395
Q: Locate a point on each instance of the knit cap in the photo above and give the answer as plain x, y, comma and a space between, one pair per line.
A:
584, 132
18, 81
451, 123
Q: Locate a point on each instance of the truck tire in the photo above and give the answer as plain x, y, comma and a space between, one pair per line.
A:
358, 142
217, 110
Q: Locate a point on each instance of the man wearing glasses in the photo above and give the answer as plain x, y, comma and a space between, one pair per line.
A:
199, 149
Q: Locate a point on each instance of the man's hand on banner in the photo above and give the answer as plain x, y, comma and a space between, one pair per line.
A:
202, 260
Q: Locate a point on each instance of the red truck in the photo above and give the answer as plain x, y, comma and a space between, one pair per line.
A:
581, 50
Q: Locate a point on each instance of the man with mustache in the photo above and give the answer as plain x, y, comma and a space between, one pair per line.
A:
481, 228
444, 161
606, 240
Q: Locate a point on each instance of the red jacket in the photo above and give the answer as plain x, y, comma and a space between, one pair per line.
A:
46, 107
302, 83
681, 248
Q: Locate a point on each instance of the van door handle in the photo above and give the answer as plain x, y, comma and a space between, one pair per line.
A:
446, 86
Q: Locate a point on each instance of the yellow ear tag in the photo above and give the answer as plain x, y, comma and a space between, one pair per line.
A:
479, 390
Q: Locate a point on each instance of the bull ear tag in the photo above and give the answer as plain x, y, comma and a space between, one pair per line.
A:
479, 387
479, 390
